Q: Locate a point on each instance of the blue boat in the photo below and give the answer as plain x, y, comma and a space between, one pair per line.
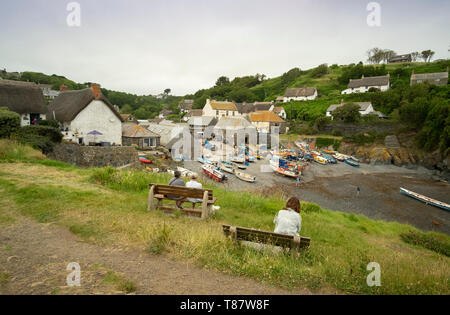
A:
330, 159
351, 163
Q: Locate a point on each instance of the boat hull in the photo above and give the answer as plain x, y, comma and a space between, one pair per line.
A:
351, 163
424, 199
213, 173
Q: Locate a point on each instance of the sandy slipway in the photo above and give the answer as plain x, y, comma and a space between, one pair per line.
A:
334, 187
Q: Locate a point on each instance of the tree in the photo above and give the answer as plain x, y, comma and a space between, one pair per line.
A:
9, 122
375, 55
388, 54
427, 55
167, 91
415, 56
320, 71
223, 80
348, 113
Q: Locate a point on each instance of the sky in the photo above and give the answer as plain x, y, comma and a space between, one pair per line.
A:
146, 46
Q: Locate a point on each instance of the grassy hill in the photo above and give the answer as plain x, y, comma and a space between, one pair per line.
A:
108, 207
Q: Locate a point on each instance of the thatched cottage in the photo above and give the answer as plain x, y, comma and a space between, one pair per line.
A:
86, 117
24, 98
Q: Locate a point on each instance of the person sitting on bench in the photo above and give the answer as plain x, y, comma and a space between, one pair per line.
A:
177, 181
289, 221
194, 184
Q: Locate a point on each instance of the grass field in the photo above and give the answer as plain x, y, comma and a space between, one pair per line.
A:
107, 206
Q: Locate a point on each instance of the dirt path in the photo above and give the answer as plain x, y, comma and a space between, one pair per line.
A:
34, 257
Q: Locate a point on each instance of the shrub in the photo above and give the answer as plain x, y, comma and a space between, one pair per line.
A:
432, 241
321, 122
348, 113
320, 71
43, 138
9, 122
50, 123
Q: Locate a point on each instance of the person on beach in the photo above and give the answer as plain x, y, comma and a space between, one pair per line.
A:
177, 181
193, 183
358, 191
297, 181
289, 221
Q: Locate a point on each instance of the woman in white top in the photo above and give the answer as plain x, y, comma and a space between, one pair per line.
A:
193, 183
289, 221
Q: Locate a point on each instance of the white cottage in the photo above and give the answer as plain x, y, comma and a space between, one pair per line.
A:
86, 116
300, 94
363, 85
365, 108
220, 109
24, 98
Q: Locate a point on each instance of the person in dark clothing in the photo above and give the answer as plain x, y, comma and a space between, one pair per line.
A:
177, 181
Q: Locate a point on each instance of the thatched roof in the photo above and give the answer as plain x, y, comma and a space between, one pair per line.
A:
369, 81
22, 97
300, 92
70, 103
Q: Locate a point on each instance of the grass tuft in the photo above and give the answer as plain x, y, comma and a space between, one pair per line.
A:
432, 241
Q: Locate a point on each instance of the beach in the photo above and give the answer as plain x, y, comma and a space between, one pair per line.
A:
334, 187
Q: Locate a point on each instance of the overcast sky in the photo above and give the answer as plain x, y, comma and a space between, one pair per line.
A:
145, 46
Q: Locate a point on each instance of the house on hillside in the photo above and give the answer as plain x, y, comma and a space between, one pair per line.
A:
244, 109
363, 85
438, 78
165, 113
24, 98
48, 91
401, 59
186, 106
220, 109
279, 99
128, 117
193, 113
279, 110
365, 108
300, 94
86, 117
264, 121
263, 106
144, 139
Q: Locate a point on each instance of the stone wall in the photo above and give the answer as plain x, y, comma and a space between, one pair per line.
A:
93, 156
352, 129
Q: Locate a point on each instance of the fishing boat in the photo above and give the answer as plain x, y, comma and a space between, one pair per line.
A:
320, 159
245, 177
225, 167
427, 200
328, 152
351, 163
204, 161
145, 160
340, 157
212, 173
329, 159
251, 158
238, 159
241, 166
353, 159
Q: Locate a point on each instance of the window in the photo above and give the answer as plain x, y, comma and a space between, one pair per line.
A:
217, 113
227, 113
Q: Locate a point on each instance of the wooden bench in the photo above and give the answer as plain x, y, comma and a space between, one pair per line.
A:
158, 193
256, 236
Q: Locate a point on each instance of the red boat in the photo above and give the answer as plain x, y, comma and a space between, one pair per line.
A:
212, 173
144, 160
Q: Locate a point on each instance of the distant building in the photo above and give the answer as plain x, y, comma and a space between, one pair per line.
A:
232, 128
300, 94
186, 106
128, 118
193, 113
363, 85
83, 112
265, 120
365, 108
279, 99
246, 108
401, 58
24, 98
133, 134
48, 92
220, 109
199, 124
438, 78
280, 112
165, 113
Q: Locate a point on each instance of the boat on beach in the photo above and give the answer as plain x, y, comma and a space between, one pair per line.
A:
225, 167
282, 171
320, 159
185, 172
352, 163
245, 177
238, 159
212, 173
425, 199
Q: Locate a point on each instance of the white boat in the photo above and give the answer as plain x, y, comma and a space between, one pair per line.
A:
245, 177
238, 159
427, 200
185, 172
226, 168
210, 171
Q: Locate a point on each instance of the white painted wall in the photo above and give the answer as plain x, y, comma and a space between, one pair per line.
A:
96, 116
210, 112
364, 89
25, 119
301, 98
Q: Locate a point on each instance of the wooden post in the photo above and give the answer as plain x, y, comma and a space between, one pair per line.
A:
151, 199
233, 232
295, 245
205, 205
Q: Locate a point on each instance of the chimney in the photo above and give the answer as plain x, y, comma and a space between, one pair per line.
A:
63, 88
96, 89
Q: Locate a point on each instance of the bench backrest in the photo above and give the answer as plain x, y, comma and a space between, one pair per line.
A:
252, 235
180, 191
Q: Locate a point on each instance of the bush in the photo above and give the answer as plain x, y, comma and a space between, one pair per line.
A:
348, 113
9, 122
432, 241
320, 71
50, 123
43, 138
321, 122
